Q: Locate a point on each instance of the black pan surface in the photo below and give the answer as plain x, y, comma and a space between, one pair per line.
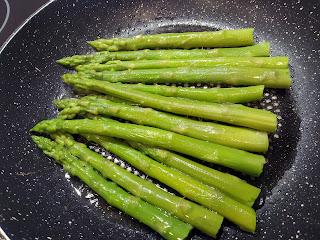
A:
37, 199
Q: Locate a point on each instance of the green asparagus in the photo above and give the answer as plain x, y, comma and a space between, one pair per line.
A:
229, 184
236, 159
187, 186
257, 62
259, 50
237, 76
236, 137
186, 40
73, 102
235, 114
168, 226
115, 80
189, 212
217, 95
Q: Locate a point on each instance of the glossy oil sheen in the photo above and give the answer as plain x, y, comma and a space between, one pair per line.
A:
37, 201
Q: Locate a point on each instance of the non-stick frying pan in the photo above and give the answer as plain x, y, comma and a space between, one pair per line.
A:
37, 200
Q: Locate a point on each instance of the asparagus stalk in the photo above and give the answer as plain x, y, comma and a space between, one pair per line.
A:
189, 212
236, 137
237, 76
186, 40
229, 184
187, 186
230, 113
257, 62
236, 159
217, 95
74, 102
168, 226
259, 50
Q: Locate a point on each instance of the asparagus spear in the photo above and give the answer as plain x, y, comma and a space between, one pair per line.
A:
257, 62
229, 184
235, 114
186, 40
259, 50
187, 186
237, 76
236, 137
74, 102
168, 226
218, 95
236, 159
189, 212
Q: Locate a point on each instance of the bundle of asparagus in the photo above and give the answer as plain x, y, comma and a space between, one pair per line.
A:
167, 120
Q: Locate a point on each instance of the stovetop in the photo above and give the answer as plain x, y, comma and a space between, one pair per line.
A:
13, 13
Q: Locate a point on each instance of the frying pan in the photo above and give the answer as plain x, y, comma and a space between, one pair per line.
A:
37, 199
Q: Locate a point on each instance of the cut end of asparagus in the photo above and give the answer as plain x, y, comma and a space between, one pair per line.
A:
286, 78
259, 169
273, 123
218, 224
279, 78
266, 47
257, 192
251, 226
260, 89
250, 33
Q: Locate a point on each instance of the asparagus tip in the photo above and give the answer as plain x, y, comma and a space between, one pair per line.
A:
43, 143
67, 77
46, 126
34, 129
56, 103
61, 61
91, 43
35, 138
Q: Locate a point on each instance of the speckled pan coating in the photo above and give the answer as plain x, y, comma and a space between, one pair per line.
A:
37, 199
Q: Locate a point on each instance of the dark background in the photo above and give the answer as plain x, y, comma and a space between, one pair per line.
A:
20, 10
